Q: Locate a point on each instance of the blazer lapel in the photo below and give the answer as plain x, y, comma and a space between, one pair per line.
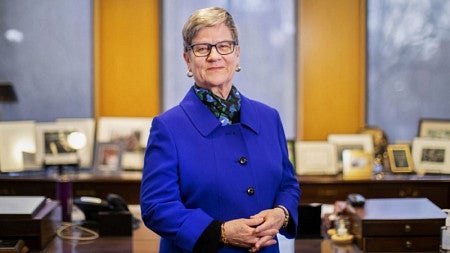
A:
200, 116
205, 122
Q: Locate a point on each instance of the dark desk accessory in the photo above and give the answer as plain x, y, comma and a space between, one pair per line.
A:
356, 200
110, 216
7, 94
64, 196
309, 216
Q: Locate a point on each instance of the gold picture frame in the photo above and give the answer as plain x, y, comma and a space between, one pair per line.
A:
357, 164
400, 158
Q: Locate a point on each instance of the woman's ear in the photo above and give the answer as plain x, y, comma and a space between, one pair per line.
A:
186, 58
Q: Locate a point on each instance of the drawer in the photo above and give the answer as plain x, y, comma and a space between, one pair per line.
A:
329, 193
401, 244
427, 227
437, 193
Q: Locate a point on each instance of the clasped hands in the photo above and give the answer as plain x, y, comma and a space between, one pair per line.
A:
256, 232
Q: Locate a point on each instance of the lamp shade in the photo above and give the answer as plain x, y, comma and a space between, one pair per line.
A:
7, 93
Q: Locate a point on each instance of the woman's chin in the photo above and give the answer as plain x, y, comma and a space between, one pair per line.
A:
218, 82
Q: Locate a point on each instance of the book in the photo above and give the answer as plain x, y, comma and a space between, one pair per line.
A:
20, 207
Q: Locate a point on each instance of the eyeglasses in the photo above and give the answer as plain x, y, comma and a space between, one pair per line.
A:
204, 49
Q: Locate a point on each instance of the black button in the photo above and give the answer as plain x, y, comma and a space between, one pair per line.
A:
250, 191
242, 160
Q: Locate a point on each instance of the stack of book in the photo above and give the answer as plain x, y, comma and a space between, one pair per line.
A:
31, 219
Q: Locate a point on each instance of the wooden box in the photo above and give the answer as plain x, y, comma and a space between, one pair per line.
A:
398, 225
36, 231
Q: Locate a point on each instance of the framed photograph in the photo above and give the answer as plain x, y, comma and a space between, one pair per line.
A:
17, 146
400, 158
133, 132
53, 146
108, 157
315, 158
357, 164
343, 142
85, 126
434, 128
431, 155
291, 151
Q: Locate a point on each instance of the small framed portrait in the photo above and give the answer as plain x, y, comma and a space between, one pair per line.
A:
86, 126
315, 158
400, 158
108, 157
431, 155
343, 142
54, 145
357, 165
133, 132
434, 128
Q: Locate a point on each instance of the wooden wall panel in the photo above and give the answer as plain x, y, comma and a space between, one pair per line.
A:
331, 68
126, 56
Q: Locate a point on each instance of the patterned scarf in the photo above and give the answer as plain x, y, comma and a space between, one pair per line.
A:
227, 111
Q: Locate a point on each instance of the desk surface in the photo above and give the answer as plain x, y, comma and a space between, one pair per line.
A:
144, 240
316, 189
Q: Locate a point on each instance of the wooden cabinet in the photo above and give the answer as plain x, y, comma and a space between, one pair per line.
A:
328, 189
315, 189
127, 185
437, 192
32, 186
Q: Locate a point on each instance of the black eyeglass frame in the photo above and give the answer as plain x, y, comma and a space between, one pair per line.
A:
210, 46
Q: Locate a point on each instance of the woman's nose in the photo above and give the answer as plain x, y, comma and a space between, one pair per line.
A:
214, 53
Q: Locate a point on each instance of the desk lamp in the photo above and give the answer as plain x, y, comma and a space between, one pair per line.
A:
7, 94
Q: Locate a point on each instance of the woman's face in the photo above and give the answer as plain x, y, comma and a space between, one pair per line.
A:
214, 71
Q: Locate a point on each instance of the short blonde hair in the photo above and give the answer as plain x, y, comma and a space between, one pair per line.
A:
205, 18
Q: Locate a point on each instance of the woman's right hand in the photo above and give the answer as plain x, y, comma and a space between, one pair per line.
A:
241, 232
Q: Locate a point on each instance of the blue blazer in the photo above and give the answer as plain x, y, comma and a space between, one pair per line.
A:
196, 170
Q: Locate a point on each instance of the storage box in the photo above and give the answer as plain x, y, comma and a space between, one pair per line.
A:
36, 231
398, 225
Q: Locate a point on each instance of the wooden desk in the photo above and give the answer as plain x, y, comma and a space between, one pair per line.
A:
146, 241
142, 240
315, 189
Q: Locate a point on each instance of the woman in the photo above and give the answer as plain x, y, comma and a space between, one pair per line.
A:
217, 176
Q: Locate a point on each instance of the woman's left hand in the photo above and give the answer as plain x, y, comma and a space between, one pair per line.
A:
266, 231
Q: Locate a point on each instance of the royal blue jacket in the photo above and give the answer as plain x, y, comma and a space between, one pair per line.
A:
197, 171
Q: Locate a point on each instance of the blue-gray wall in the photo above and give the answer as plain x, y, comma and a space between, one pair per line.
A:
51, 67
408, 64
